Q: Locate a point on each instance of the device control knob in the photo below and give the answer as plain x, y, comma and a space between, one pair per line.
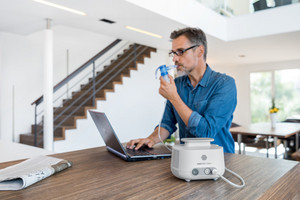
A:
207, 171
195, 172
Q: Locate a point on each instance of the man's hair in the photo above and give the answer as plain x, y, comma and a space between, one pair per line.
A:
195, 35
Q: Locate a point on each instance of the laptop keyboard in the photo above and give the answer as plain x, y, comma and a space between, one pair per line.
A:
140, 152
144, 151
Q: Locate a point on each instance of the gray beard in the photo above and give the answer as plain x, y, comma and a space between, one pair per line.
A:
181, 73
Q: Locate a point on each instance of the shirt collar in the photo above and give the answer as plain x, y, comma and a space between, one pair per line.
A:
205, 79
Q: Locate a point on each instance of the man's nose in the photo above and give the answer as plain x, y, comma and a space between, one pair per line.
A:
175, 58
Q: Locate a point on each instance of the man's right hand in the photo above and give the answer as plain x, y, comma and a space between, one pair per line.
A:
138, 143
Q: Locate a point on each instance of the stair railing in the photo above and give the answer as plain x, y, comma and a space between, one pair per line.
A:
125, 63
74, 76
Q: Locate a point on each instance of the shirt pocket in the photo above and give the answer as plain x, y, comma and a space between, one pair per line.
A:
200, 106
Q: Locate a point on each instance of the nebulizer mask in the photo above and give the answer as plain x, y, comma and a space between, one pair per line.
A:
164, 71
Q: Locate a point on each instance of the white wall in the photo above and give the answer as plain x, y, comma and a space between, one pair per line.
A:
278, 20
134, 109
82, 45
21, 67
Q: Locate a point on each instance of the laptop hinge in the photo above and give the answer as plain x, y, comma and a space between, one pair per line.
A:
116, 152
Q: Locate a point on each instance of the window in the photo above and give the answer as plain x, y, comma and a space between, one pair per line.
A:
284, 85
261, 87
287, 92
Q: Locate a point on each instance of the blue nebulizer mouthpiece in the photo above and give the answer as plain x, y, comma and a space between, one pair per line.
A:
164, 71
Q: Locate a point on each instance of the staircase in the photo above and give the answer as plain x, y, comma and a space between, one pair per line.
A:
65, 116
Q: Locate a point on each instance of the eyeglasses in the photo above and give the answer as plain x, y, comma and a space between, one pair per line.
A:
181, 52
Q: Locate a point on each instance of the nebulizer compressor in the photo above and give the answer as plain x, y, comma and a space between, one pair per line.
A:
197, 158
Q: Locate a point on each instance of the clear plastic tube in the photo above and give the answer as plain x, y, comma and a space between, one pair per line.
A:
231, 183
159, 125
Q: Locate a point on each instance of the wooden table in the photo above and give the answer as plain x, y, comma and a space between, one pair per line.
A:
282, 130
98, 174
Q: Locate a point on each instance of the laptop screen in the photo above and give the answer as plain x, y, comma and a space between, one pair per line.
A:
106, 131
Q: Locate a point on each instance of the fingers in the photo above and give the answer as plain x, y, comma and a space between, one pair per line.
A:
132, 143
138, 143
162, 81
171, 79
142, 142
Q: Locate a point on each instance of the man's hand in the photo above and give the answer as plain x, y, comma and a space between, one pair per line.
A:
168, 90
150, 141
138, 143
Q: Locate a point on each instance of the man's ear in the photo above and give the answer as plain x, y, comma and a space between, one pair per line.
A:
201, 50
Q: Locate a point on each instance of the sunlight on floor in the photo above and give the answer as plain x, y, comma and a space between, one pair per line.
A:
252, 151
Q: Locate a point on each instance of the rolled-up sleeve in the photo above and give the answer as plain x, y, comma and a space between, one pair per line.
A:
194, 121
168, 121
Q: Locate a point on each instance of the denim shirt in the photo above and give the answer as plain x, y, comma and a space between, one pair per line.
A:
212, 101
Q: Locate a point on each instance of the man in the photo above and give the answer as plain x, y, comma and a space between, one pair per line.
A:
202, 102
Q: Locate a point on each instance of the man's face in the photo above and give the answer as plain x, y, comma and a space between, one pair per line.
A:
189, 59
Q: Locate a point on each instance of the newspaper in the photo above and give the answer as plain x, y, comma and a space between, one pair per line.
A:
30, 171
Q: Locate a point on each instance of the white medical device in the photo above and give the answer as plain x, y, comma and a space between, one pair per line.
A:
198, 159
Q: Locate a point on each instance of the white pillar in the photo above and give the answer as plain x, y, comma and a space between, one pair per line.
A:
1, 91
273, 85
48, 89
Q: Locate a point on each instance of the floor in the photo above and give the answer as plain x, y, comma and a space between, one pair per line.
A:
252, 151
15, 151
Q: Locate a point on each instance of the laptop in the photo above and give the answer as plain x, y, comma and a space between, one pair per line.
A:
113, 145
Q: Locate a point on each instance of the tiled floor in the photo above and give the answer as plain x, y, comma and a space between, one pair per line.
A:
252, 151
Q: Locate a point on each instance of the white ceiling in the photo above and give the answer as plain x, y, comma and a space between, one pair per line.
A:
25, 17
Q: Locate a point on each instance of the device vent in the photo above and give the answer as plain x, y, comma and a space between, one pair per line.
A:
175, 158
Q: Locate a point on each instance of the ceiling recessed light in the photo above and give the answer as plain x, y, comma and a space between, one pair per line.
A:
60, 7
144, 32
242, 56
107, 21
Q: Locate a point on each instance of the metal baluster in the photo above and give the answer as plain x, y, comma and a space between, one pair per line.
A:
135, 56
94, 87
35, 125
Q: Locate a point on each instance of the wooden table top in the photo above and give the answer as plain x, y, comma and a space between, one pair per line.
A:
98, 174
282, 130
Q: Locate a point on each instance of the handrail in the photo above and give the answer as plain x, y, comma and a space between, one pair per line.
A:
77, 71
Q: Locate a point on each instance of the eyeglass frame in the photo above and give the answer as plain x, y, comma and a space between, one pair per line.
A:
181, 52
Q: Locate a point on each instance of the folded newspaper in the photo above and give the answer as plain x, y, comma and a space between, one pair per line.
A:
30, 171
